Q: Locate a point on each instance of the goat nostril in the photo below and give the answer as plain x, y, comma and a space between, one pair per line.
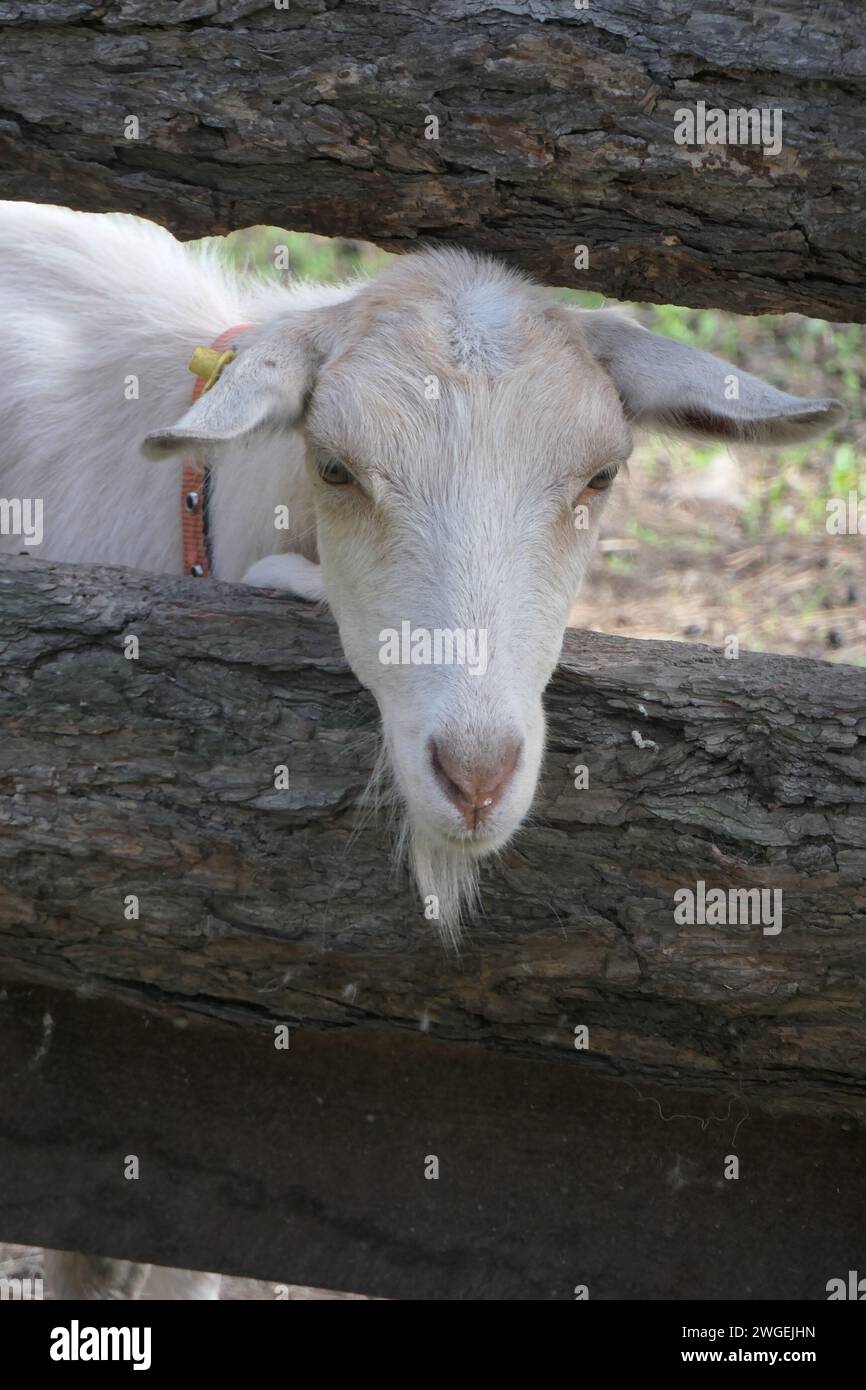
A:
474, 788
450, 786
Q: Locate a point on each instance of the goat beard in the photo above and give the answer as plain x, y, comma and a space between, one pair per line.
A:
446, 876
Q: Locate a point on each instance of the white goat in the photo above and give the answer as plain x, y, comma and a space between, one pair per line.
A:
443, 436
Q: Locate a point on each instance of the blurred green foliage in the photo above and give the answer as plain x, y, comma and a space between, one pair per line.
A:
265, 251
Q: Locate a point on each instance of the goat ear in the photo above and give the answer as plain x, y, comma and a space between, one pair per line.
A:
267, 384
668, 386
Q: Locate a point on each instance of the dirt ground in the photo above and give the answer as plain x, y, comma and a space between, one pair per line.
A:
683, 558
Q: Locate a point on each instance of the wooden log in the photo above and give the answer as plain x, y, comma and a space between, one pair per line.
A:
153, 778
308, 1165
556, 129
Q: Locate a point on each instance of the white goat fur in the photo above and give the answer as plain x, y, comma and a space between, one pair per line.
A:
465, 514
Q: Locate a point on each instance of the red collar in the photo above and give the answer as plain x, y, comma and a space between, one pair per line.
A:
195, 540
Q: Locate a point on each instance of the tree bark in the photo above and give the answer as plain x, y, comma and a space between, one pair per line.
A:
556, 130
154, 777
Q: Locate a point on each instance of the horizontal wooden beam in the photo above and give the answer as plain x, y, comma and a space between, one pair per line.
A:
146, 786
308, 1165
553, 127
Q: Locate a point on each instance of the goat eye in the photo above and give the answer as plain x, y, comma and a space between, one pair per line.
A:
332, 471
603, 480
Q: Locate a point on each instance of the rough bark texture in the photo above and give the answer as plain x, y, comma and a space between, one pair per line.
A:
556, 130
155, 777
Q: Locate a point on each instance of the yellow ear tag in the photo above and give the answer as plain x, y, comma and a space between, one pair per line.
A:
207, 363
